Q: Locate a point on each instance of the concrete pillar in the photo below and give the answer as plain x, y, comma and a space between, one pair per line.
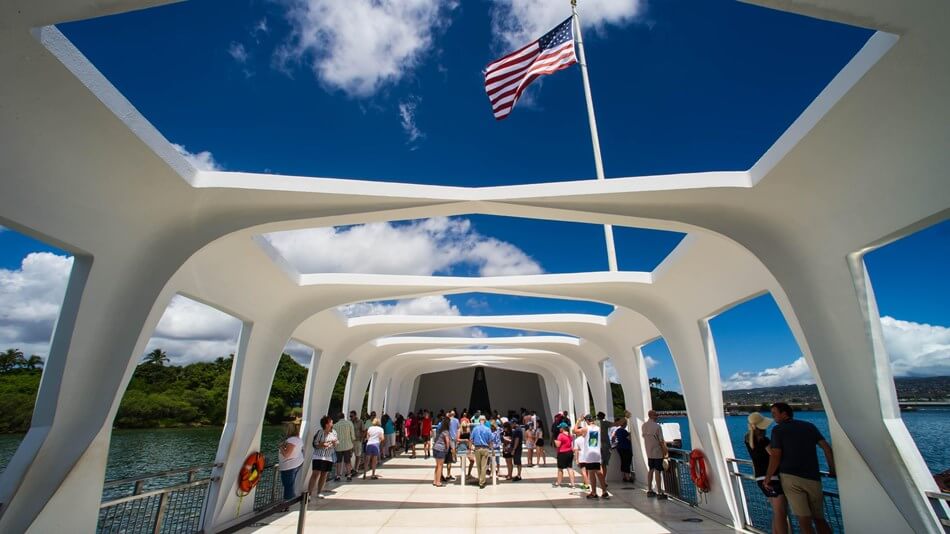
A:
831, 309
252, 374
608, 392
693, 350
349, 389
634, 380
310, 419
54, 481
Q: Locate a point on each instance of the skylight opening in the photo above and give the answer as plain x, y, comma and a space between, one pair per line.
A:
731, 100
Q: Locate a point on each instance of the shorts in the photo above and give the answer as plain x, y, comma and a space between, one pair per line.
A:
424, 437
438, 455
517, 457
540, 443
776, 488
372, 449
529, 446
450, 456
322, 465
805, 496
605, 457
655, 464
564, 460
591, 466
344, 456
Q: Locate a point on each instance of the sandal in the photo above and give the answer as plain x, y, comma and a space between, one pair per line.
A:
591, 495
374, 477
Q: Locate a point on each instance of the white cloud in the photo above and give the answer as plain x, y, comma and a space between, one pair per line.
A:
796, 372
302, 354
515, 23
424, 247
30, 299
650, 362
914, 349
203, 161
238, 52
407, 118
260, 27
358, 46
614, 377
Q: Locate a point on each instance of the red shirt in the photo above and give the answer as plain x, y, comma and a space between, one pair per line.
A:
564, 443
411, 427
426, 427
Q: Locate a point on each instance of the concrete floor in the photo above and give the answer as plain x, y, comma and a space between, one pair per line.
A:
404, 500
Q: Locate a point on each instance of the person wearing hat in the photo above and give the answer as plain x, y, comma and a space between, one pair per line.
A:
565, 454
655, 446
757, 444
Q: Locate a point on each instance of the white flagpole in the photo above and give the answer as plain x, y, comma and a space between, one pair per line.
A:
598, 162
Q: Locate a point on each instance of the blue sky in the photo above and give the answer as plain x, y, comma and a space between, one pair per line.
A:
679, 86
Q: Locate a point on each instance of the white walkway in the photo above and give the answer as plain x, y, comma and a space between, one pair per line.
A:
404, 500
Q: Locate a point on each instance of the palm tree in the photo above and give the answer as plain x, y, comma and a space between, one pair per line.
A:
656, 382
33, 362
10, 359
156, 357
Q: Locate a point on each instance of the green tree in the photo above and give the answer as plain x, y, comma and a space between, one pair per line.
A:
10, 360
157, 357
34, 362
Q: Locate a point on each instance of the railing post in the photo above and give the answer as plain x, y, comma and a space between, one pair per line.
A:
138, 487
160, 515
302, 516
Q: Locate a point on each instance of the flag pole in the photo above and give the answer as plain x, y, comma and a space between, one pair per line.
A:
595, 139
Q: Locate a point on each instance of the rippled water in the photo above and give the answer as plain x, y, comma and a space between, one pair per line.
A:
929, 427
135, 452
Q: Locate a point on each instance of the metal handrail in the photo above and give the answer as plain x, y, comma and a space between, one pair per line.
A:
741, 461
160, 474
160, 491
938, 495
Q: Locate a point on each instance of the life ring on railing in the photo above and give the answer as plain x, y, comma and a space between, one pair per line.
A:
251, 473
697, 470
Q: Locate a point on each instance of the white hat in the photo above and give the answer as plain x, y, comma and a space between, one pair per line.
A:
759, 421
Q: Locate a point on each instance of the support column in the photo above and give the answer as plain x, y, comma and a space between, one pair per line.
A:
349, 389
694, 353
255, 363
608, 392
881, 475
634, 381
54, 481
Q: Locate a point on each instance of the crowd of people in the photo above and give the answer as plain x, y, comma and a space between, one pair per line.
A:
786, 466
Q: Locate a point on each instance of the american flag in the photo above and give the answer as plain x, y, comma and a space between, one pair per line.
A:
508, 77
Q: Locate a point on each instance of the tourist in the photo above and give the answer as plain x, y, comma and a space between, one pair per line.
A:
441, 447
409, 430
624, 449
290, 458
390, 430
464, 448
399, 422
359, 443
465, 419
324, 442
758, 446
375, 435
578, 447
565, 454
656, 451
344, 449
529, 442
481, 441
540, 456
451, 455
794, 458
507, 447
497, 443
604, 444
425, 433
590, 455
517, 449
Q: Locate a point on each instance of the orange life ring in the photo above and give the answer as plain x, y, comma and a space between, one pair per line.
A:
697, 470
251, 473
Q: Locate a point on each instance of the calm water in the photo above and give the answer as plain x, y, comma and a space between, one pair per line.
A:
135, 452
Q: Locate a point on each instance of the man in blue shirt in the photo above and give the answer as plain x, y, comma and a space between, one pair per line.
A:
482, 440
